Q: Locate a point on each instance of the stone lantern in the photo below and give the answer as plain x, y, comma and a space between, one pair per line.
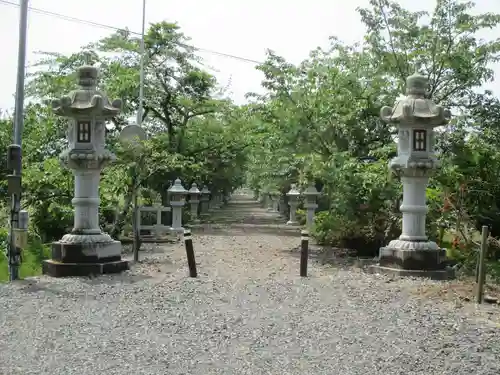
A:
415, 116
177, 200
205, 200
293, 201
194, 195
86, 250
311, 195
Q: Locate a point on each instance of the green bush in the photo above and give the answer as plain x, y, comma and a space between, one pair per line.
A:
52, 220
32, 256
301, 216
363, 235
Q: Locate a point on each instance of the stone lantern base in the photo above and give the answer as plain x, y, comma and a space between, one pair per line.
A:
414, 259
85, 255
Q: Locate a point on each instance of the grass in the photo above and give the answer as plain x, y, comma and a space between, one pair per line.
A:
32, 257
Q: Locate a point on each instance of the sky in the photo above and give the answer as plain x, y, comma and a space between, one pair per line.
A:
235, 27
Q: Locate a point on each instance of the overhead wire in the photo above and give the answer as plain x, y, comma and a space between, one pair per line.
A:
114, 28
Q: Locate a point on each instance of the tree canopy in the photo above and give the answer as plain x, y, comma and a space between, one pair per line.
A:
319, 121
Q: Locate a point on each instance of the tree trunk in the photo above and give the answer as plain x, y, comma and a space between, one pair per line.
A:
122, 215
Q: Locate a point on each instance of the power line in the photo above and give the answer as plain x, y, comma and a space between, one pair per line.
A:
114, 28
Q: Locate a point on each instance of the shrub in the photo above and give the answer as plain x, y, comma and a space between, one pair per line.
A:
32, 256
364, 235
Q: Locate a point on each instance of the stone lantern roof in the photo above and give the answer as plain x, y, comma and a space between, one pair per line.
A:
86, 101
194, 189
415, 107
311, 191
177, 188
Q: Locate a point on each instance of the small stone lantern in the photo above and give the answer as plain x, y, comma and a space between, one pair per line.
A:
205, 200
293, 201
194, 195
416, 116
177, 200
311, 195
86, 250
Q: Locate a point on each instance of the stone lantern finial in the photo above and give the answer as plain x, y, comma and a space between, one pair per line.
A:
87, 76
417, 84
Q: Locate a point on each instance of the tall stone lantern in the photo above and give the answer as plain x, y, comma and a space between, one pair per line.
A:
415, 116
293, 201
194, 195
177, 201
86, 250
311, 195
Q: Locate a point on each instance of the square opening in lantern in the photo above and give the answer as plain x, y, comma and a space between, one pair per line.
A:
83, 131
419, 140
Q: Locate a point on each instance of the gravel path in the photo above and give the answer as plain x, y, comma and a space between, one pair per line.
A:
247, 313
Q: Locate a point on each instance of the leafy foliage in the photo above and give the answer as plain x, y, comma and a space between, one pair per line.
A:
317, 123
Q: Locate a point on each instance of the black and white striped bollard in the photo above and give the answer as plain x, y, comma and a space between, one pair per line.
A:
304, 252
188, 243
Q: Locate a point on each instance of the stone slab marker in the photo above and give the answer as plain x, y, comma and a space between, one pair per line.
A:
416, 116
86, 250
205, 200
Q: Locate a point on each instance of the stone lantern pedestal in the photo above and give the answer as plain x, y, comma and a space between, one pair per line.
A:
177, 201
293, 201
194, 194
86, 250
311, 195
413, 254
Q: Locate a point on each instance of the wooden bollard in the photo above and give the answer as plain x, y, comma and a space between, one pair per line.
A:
188, 243
304, 252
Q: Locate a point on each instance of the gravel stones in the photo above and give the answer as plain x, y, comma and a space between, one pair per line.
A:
248, 313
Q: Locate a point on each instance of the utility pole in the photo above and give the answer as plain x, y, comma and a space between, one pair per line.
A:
141, 79
140, 111
14, 151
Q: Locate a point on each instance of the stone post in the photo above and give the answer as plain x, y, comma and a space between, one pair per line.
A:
205, 200
194, 195
177, 200
310, 204
415, 116
86, 250
293, 201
